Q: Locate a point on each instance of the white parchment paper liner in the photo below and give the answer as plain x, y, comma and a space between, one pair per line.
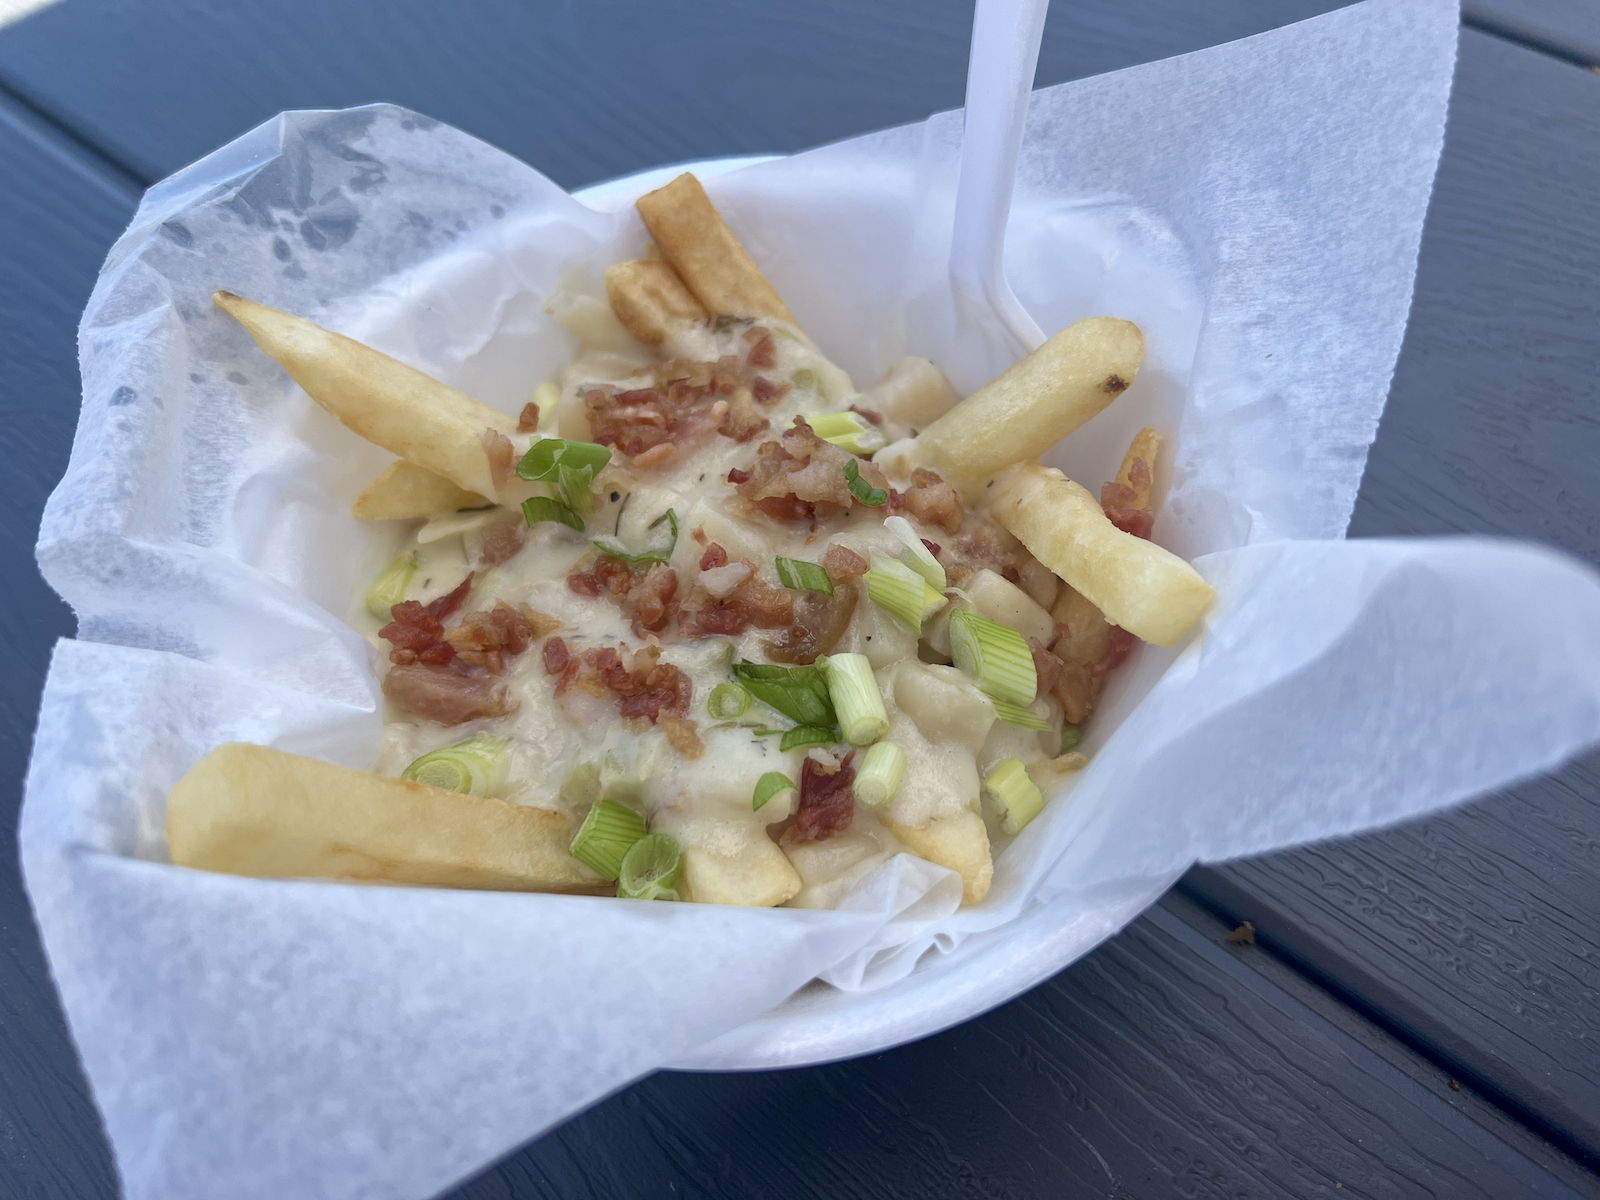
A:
1256, 208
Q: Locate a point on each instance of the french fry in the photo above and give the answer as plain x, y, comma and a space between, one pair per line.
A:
956, 840
1084, 644
754, 875
390, 404
251, 810
1150, 592
650, 300
405, 491
698, 243
1033, 404
1145, 446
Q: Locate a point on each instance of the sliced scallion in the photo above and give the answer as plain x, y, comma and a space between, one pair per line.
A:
728, 702
1017, 714
615, 549
573, 483
1016, 796
545, 458
390, 587
995, 656
882, 771
856, 699
476, 766
536, 509
800, 576
799, 693
768, 786
848, 430
650, 869
1070, 737
901, 592
917, 556
809, 735
605, 837
863, 491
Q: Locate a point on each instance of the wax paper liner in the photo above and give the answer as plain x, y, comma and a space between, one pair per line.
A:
1256, 208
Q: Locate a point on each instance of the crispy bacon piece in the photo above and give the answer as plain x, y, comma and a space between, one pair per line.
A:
763, 350
1118, 500
682, 736
417, 630
981, 547
487, 639
740, 420
1046, 666
643, 591
819, 622
1116, 650
752, 603
827, 805
501, 455
446, 694
644, 687
800, 477
841, 562
556, 656
528, 419
930, 500
501, 539
766, 391
681, 409
714, 557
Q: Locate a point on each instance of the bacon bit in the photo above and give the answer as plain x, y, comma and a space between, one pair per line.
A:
680, 410
501, 540
1120, 501
556, 656
827, 805
752, 603
528, 420
644, 686
740, 420
417, 630
1116, 650
800, 477
448, 695
1046, 667
763, 351
651, 598
656, 455
714, 557
819, 622
501, 455
841, 562
982, 547
768, 392
583, 583
698, 533
643, 591
682, 736
487, 639
867, 414
445, 605
930, 500
933, 548
739, 475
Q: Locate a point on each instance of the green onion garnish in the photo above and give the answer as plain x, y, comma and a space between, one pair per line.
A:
614, 549
1017, 797
809, 735
1070, 737
545, 458
800, 576
917, 556
728, 702
650, 869
1016, 714
863, 491
903, 593
856, 699
849, 431
605, 837
476, 766
882, 770
541, 508
768, 786
799, 693
573, 484
390, 587
995, 656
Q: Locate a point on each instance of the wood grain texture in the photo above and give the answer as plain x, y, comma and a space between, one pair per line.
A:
1166, 1064
58, 217
583, 91
1478, 933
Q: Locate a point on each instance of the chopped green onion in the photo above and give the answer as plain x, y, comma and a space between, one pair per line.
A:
995, 656
863, 491
799, 693
848, 430
728, 702
917, 556
800, 576
880, 775
614, 549
1017, 797
1017, 714
862, 718
545, 458
476, 766
573, 486
390, 587
606, 836
536, 509
808, 379
903, 593
768, 786
1070, 737
650, 869
809, 735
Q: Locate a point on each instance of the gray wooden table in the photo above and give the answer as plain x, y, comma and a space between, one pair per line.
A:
1419, 1015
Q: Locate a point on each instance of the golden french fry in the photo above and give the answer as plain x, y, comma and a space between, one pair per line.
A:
650, 300
390, 404
756, 874
405, 491
251, 810
698, 243
1033, 404
956, 840
1150, 592
1146, 445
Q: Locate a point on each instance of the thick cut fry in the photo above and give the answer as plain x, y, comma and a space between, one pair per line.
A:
1150, 592
958, 841
1035, 403
405, 491
1145, 446
388, 403
251, 810
756, 875
698, 243
650, 300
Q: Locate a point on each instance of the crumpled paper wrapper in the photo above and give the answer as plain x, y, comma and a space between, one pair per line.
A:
1256, 208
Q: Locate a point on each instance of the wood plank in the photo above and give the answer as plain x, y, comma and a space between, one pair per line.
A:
584, 92
1478, 933
1167, 1063
1567, 28
56, 227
